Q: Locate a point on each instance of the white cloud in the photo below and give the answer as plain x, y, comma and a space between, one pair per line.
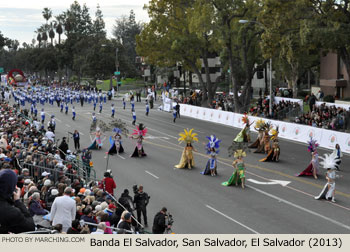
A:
19, 19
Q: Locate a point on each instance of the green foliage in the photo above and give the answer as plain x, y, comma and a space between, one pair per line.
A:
125, 31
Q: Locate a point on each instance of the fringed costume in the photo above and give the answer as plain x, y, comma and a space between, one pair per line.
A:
187, 159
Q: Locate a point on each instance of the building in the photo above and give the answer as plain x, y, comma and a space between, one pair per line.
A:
333, 76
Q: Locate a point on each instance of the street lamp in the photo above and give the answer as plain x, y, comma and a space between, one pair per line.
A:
116, 64
243, 21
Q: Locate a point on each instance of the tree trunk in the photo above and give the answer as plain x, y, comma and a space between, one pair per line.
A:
201, 82
190, 83
209, 85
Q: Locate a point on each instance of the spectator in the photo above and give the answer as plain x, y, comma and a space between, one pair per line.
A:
63, 210
14, 217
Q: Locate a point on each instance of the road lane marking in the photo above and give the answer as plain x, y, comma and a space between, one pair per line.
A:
221, 160
120, 156
152, 174
300, 207
231, 219
67, 125
272, 182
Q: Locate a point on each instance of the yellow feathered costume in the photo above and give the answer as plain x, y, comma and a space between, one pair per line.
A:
187, 159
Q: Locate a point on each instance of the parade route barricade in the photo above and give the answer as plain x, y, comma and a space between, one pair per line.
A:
291, 131
337, 105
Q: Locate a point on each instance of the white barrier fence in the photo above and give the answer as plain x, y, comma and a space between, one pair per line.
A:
292, 131
337, 105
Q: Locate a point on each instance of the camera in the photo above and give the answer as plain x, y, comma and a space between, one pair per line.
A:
169, 219
135, 189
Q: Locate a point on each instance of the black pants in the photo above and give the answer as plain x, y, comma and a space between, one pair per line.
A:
144, 213
76, 144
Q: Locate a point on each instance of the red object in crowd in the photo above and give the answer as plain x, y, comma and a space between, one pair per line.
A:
108, 185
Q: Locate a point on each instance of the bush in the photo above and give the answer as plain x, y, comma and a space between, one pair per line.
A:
328, 98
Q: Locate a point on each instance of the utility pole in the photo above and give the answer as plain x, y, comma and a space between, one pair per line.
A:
117, 67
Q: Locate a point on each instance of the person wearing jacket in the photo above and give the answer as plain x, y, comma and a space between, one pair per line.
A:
159, 223
14, 216
107, 183
141, 200
63, 210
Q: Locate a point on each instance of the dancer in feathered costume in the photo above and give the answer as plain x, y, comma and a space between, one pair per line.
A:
260, 127
212, 149
116, 142
139, 134
97, 143
244, 134
238, 176
274, 152
312, 168
187, 159
329, 162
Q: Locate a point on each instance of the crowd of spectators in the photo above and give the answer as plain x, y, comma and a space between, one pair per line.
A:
40, 189
326, 117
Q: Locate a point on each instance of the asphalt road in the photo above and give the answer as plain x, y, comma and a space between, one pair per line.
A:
200, 204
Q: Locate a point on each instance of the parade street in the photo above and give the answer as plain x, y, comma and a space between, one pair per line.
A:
274, 200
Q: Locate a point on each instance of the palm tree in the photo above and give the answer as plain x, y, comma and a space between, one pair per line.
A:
51, 33
58, 26
39, 38
47, 14
44, 36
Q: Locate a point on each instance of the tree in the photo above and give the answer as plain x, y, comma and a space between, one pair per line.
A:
39, 38
329, 28
283, 38
47, 14
2, 40
240, 44
51, 33
167, 39
125, 31
59, 28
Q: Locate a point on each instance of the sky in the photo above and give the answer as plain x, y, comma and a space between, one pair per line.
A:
20, 18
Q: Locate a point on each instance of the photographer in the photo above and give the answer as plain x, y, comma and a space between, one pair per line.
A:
14, 216
160, 222
141, 200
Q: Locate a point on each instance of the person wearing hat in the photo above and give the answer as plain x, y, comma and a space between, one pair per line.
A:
14, 216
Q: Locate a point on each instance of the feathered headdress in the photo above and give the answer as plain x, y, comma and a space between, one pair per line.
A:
245, 119
117, 130
260, 125
312, 145
213, 143
140, 130
239, 153
274, 134
329, 161
187, 136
